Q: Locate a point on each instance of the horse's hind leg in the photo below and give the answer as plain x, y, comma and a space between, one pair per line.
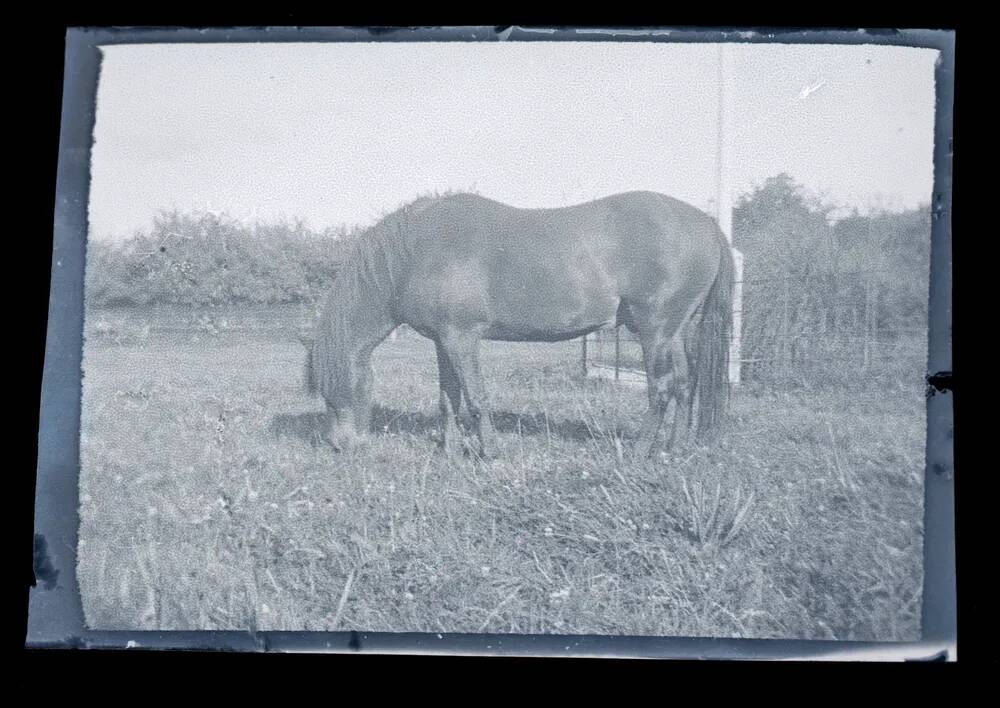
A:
462, 350
679, 386
667, 377
666, 381
655, 359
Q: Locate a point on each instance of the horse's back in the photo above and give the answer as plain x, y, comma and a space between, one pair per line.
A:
463, 216
555, 272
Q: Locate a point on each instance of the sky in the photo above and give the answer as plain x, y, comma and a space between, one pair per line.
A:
340, 133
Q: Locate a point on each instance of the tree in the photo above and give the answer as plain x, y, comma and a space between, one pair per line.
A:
822, 289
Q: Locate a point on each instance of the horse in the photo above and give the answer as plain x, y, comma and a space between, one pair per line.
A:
462, 268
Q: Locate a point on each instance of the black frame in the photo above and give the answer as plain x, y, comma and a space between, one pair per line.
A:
55, 611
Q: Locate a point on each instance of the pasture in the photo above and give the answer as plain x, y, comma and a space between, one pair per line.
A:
206, 504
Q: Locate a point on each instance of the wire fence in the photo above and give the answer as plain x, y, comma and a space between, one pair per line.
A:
800, 332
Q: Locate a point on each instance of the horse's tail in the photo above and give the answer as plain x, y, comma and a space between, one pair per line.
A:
710, 383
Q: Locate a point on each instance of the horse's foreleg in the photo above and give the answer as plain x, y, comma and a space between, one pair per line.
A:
450, 402
342, 431
464, 356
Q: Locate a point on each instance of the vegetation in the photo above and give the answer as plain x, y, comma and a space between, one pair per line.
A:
824, 297
205, 504
207, 259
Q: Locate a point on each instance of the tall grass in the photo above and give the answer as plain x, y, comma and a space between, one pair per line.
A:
206, 505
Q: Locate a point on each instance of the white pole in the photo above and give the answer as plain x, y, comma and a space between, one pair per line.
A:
735, 346
724, 205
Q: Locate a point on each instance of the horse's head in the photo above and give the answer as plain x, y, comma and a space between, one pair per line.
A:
347, 394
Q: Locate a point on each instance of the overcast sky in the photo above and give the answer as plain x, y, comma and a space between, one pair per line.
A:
339, 133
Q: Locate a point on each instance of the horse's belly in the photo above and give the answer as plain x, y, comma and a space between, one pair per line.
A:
503, 333
526, 300
550, 309
551, 324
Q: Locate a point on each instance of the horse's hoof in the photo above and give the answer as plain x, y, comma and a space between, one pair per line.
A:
655, 452
483, 456
477, 455
348, 444
446, 447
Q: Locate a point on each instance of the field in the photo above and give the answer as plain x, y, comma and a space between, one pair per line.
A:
205, 503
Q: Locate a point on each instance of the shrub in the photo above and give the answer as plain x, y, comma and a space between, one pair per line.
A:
206, 259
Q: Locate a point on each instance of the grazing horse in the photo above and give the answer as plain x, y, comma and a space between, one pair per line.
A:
462, 268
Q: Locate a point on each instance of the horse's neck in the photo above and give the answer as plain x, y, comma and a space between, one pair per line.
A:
367, 297
370, 321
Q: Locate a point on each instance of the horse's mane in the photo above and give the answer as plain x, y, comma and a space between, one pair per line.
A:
378, 256
366, 280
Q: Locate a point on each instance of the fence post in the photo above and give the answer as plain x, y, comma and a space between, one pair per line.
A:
736, 338
784, 359
876, 345
868, 328
618, 349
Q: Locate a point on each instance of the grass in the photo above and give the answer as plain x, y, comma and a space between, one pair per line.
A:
206, 505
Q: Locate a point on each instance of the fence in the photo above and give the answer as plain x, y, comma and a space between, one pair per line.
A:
804, 331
